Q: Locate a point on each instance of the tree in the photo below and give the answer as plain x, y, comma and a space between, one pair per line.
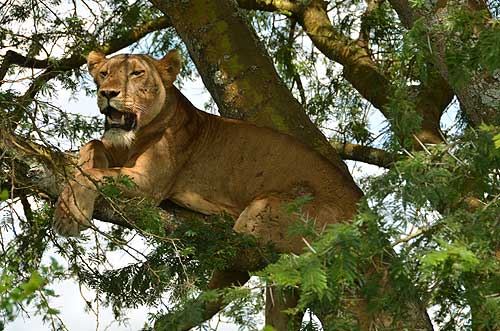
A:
426, 234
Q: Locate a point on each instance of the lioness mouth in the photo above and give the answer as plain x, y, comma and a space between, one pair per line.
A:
120, 120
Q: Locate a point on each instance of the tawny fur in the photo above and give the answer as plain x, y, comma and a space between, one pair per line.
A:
203, 162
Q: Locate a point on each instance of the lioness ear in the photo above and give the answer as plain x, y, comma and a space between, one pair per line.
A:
93, 59
171, 65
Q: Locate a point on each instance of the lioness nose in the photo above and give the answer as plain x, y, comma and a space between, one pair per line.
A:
109, 93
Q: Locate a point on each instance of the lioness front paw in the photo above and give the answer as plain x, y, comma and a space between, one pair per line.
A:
70, 216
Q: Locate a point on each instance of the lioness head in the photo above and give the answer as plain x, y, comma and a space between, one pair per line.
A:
131, 90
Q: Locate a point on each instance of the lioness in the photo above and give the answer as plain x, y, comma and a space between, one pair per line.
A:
197, 160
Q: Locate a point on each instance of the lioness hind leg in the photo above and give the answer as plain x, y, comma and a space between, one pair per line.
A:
267, 220
75, 205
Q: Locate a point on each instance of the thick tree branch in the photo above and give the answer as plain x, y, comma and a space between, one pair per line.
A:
366, 154
409, 14
359, 68
431, 99
53, 168
136, 33
57, 66
284, 6
12, 57
406, 14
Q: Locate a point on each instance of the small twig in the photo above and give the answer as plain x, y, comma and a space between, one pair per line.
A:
422, 145
409, 237
270, 290
429, 43
309, 246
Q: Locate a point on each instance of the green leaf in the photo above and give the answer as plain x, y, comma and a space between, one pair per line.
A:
283, 273
496, 141
34, 283
313, 276
296, 205
459, 257
52, 311
4, 194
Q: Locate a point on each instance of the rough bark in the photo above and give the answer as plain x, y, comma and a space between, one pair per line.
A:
359, 68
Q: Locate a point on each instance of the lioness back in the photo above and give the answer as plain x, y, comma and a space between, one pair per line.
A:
236, 162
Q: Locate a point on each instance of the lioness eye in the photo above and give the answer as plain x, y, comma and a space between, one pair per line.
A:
137, 72
103, 74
